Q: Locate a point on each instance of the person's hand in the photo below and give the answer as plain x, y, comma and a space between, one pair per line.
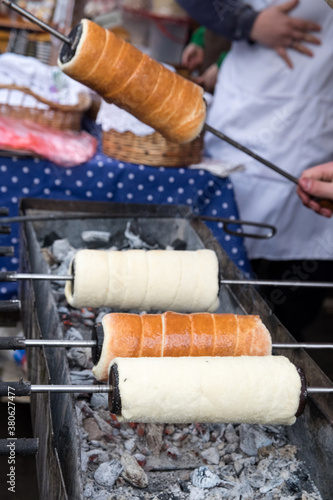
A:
192, 56
208, 78
274, 28
317, 181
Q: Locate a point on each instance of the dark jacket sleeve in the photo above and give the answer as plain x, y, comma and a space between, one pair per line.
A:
230, 18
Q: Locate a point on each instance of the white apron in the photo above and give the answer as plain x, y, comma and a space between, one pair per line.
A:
286, 116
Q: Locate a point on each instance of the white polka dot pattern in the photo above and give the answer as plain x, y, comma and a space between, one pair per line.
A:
106, 179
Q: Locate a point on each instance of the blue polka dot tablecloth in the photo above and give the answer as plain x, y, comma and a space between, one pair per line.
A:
107, 179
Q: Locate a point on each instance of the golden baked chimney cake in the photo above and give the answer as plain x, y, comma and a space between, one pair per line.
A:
123, 75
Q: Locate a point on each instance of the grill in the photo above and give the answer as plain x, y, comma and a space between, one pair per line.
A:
54, 416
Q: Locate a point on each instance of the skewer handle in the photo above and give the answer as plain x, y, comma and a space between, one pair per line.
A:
23, 446
6, 251
4, 211
5, 229
15, 389
10, 306
7, 276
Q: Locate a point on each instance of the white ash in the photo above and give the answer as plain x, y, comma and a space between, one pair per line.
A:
174, 462
133, 472
99, 401
82, 377
61, 249
205, 478
95, 236
135, 241
107, 473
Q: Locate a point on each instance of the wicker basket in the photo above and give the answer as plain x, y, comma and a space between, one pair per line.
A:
59, 116
153, 149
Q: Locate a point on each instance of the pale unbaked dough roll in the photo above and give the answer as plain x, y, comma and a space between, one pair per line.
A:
123, 75
174, 335
254, 390
144, 280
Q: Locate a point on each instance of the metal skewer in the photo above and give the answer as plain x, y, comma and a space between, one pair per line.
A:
35, 20
313, 284
13, 276
302, 346
248, 151
22, 342
18, 389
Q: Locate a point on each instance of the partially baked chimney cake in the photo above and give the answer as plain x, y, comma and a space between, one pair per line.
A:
160, 280
123, 75
174, 335
267, 390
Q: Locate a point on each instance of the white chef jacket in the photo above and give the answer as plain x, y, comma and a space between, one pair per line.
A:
286, 116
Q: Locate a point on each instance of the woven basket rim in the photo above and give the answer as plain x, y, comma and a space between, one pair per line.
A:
83, 104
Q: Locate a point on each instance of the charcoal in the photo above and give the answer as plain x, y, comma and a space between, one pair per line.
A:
135, 240
101, 495
82, 377
179, 244
108, 473
211, 455
132, 472
50, 239
130, 444
203, 477
252, 439
91, 427
99, 401
61, 249
88, 490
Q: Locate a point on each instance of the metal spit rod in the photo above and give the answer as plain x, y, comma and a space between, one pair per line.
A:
22, 342
248, 151
46, 27
13, 276
19, 389
108, 388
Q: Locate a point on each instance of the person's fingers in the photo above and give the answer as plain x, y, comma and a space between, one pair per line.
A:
303, 195
302, 49
282, 52
303, 36
323, 172
288, 6
312, 204
303, 25
319, 188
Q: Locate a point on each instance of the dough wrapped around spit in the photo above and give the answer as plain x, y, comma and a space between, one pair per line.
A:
145, 280
174, 335
253, 390
123, 75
